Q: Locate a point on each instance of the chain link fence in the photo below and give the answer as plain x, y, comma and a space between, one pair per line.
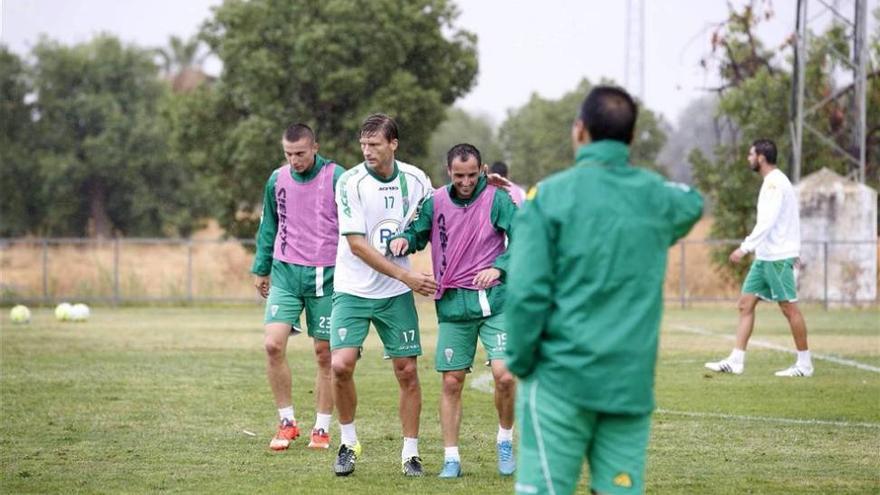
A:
184, 271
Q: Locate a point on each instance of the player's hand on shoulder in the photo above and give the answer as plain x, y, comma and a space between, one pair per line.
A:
398, 246
422, 283
484, 278
499, 182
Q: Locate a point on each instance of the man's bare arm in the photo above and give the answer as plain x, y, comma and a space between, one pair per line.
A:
423, 283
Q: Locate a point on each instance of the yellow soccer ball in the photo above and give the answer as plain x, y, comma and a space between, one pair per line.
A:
62, 311
20, 314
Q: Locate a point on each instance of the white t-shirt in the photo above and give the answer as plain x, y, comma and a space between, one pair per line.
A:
777, 232
375, 208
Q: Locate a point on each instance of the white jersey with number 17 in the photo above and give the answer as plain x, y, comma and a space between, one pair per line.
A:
375, 208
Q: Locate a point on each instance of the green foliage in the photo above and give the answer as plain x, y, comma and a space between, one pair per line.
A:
652, 131
91, 155
733, 185
20, 205
181, 55
756, 99
328, 64
537, 136
460, 127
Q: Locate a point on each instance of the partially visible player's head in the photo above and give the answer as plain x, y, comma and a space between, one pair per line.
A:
378, 139
464, 164
607, 112
299, 146
499, 168
762, 152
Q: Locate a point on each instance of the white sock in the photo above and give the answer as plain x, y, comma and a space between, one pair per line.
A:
804, 360
738, 356
349, 435
504, 434
322, 421
451, 454
286, 413
410, 448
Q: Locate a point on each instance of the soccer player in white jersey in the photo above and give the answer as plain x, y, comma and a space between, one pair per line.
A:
374, 200
776, 242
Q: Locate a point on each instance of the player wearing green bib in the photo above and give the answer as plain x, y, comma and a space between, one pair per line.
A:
584, 303
293, 269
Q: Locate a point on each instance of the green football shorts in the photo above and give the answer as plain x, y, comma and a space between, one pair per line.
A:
283, 306
556, 435
395, 318
457, 341
772, 280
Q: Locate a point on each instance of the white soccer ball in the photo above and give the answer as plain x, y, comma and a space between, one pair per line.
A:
79, 312
62, 311
20, 314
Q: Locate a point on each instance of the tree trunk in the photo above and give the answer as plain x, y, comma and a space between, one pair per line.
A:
100, 225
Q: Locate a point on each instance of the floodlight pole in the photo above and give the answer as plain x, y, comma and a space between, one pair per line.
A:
634, 49
800, 65
860, 73
856, 154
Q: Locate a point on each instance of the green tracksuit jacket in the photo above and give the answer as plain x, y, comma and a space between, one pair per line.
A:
585, 279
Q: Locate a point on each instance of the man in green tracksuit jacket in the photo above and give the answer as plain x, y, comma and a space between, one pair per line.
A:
584, 303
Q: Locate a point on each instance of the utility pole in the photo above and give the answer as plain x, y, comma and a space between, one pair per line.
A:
856, 62
634, 68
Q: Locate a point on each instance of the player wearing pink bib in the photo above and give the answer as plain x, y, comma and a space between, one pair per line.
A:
293, 269
467, 223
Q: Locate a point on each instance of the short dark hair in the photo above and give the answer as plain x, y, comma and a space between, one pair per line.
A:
463, 151
379, 123
766, 148
499, 168
297, 131
609, 112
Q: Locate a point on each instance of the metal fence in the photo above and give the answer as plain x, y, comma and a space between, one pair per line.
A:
828, 272
122, 271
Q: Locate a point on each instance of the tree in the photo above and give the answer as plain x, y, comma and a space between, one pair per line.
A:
697, 128
754, 101
103, 149
537, 139
329, 64
20, 177
460, 127
182, 63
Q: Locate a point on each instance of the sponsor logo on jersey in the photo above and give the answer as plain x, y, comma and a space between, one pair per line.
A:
343, 194
282, 219
382, 232
532, 193
623, 480
444, 242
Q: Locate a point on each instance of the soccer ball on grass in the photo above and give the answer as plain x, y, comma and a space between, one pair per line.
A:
79, 312
20, 314
62, 311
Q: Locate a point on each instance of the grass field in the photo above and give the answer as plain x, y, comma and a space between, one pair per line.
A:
157, 400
